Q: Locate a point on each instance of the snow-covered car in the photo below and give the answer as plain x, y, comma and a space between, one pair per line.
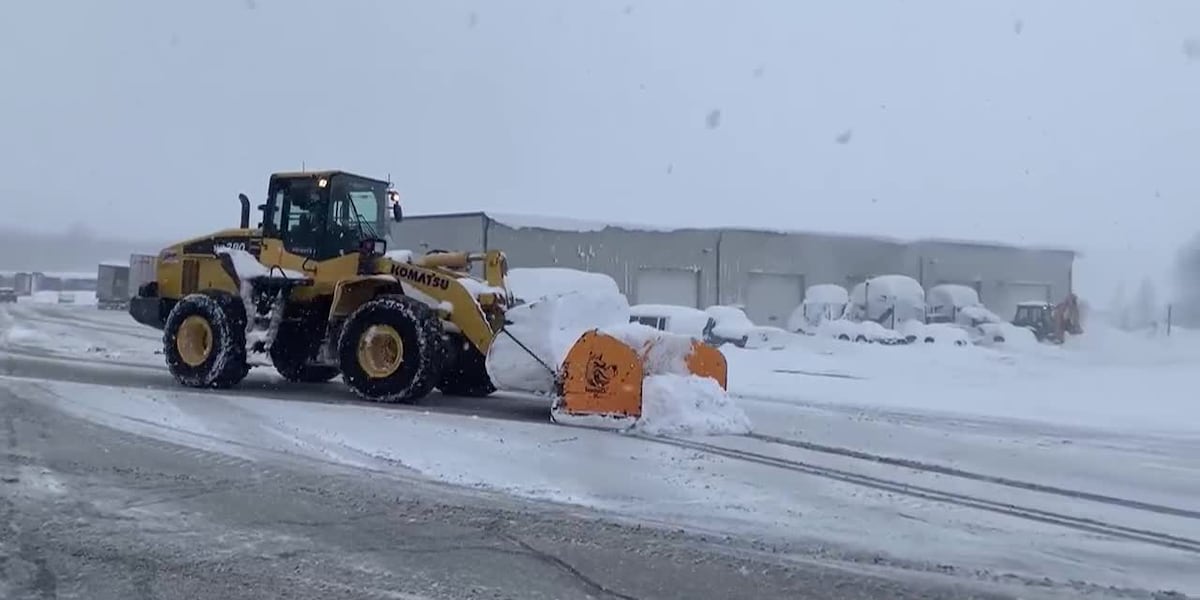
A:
933, 333
822, 302
862, 332
682, 320
959, 305
66, 298
887, 300
8, 294
732, 323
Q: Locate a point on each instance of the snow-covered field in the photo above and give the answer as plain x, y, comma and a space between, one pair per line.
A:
930, 457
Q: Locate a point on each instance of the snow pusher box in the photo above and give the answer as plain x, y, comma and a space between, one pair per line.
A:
600, 381
313, 291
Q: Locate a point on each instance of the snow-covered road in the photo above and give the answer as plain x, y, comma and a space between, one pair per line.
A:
1075, 467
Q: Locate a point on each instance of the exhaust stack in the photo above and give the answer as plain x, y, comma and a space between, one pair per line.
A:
245, 222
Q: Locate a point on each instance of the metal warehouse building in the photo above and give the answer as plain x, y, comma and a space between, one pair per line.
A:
765, 271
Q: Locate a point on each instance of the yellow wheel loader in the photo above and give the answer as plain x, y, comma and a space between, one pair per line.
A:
312, 291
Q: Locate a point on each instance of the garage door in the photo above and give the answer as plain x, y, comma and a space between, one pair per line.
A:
1008, 295
680, 287
771, 297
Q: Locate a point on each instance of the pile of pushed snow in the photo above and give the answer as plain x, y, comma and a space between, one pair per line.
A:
688, 405
662, 352
548, 328
532, 284
674, 401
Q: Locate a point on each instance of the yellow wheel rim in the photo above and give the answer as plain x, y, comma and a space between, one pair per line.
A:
194, 340
380, 351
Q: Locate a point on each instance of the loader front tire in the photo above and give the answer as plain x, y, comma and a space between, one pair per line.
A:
204, 340
466, 371
391, 350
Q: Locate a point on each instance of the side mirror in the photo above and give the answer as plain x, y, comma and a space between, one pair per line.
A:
394, 200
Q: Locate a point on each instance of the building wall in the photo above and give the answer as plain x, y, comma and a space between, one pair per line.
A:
1003, 276
648, 266
446, 232
764, 271
752, 260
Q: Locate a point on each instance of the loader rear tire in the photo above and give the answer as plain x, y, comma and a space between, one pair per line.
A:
466, 372
204, 340
391, 350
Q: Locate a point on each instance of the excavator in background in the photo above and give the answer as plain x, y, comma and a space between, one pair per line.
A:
313, 291
1050, 322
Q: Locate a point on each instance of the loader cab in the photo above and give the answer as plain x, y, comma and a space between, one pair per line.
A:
323, 215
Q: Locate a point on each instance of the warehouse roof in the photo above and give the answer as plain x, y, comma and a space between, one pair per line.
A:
571, 224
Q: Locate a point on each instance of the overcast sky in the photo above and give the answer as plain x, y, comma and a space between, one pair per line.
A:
1072, 123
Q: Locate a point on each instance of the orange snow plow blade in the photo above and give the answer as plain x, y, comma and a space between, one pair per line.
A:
600, 383
707, 361
600, 377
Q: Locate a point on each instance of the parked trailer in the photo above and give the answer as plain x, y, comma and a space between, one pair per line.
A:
112, 286
23, 283
141, 271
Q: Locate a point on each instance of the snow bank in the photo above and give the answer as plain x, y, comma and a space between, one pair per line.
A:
688, 405
549, 328
532, 284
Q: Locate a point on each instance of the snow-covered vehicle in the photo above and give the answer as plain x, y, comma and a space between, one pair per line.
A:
915, 331
875, 307
8, 294
822, 302
862, 332
66, 298
959, 305
732, 323
887, 300
682, 320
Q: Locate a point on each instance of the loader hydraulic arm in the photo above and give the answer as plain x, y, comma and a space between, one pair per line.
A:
440, 277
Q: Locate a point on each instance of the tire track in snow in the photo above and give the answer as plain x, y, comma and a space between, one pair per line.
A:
976, 476
926, 493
